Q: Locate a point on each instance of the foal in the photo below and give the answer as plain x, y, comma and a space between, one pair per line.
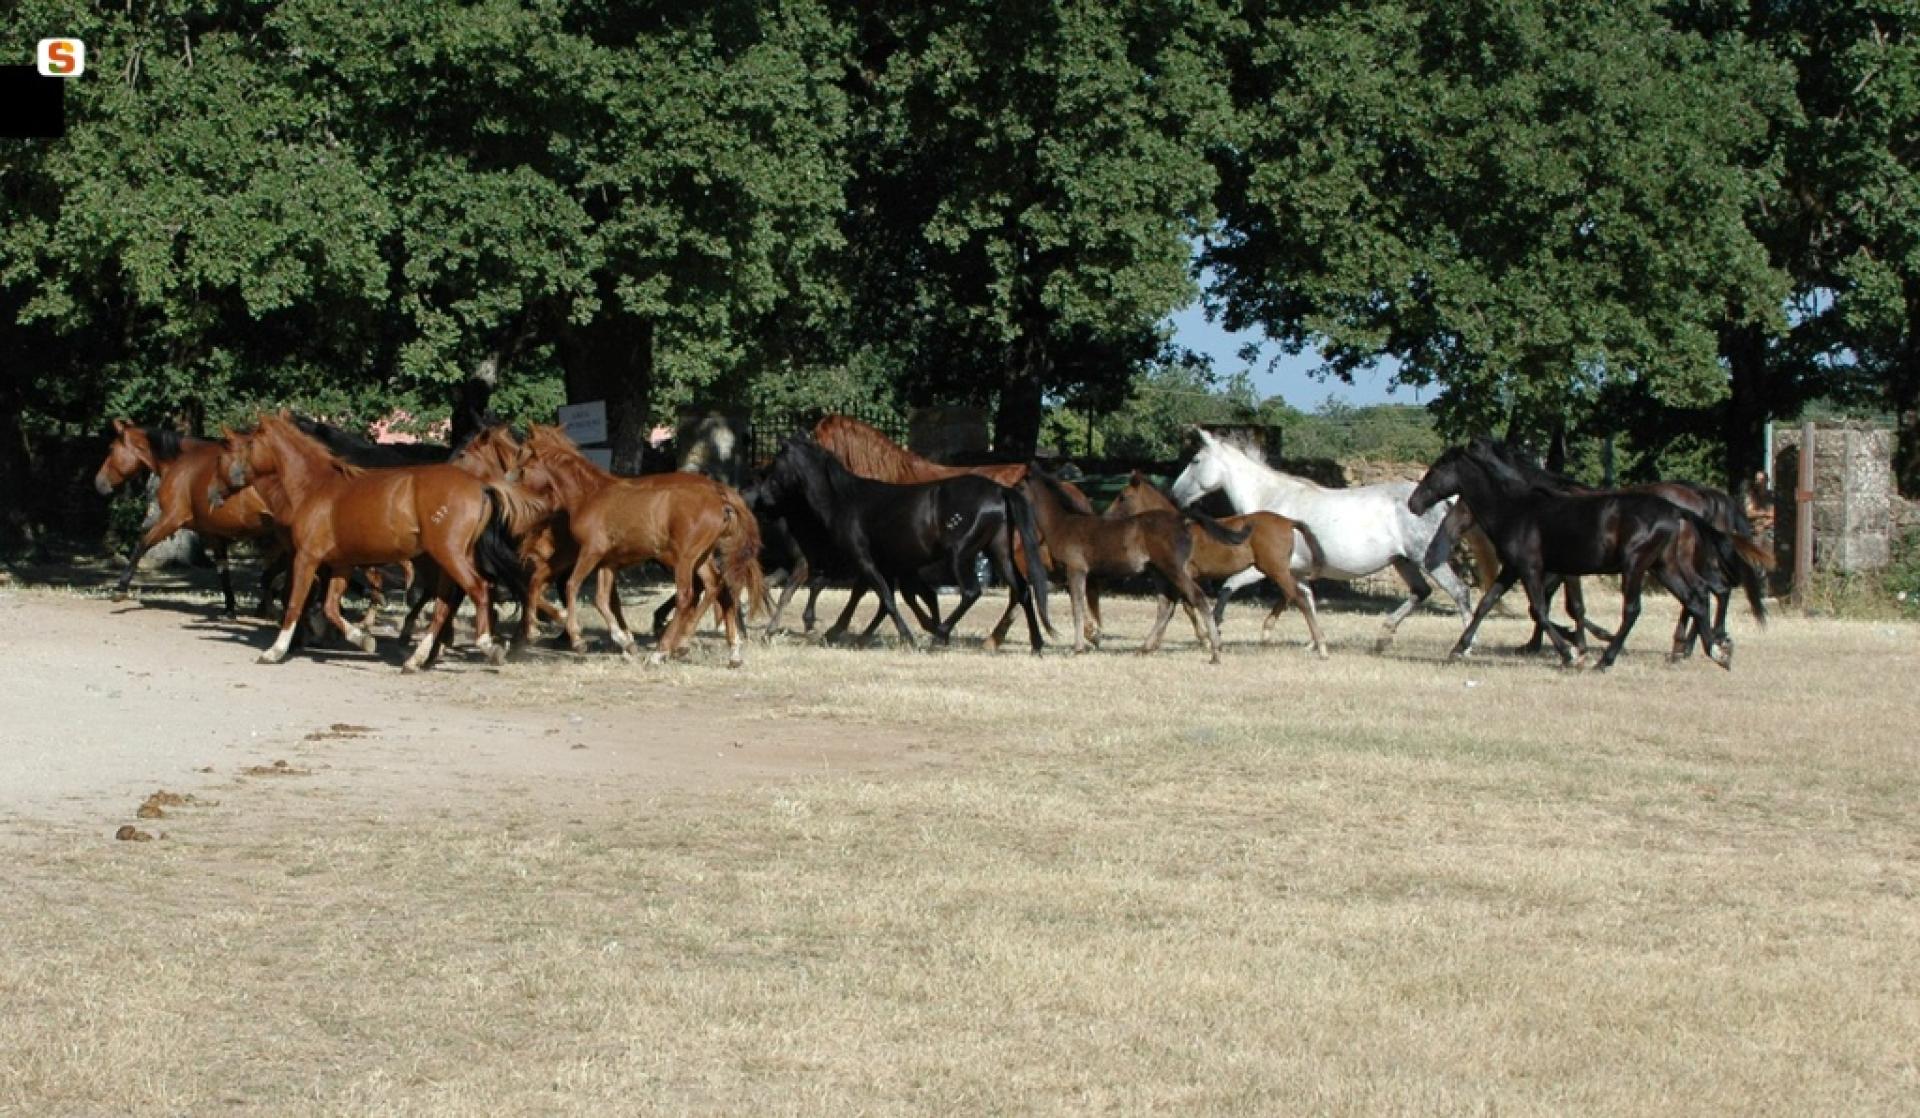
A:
691, 524
1267, 552
1083, 546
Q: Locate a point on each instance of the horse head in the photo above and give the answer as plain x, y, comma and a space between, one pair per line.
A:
127, 455
1207, 472
1441, 481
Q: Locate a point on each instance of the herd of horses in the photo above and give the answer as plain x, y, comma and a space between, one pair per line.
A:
508, 514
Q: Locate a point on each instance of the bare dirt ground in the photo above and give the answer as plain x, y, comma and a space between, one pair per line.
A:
845, 881
106, 702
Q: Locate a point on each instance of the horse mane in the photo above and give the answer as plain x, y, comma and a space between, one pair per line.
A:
1258, 457
312, 444
165, 442
860, 447
566, 457
1058, 490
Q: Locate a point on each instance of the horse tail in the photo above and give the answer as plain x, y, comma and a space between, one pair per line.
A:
1231, 536
739, 552
1733, 561
1020, 517
522, 510
1745, 540
496, 553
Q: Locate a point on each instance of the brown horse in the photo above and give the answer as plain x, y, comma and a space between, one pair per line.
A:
191, 494
343, 517
867, 452
693, 525
1268, 549
1085, 546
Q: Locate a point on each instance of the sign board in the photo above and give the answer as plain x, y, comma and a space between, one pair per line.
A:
600, 456
585, 424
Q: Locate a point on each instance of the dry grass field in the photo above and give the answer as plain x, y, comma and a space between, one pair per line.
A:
1106, 884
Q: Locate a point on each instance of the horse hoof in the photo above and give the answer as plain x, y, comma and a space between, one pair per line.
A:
578, 648
409, 667
118, 596
1321, 653
268, 658
655, 659
366, 642
1380, 646
496, 654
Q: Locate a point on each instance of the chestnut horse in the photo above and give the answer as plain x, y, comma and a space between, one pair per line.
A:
344, 516
696, 527
870, 454
1268, 549
1084, 546
191, 494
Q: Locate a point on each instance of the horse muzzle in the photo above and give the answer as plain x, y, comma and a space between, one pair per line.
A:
1419, 501
102, 486
237, 475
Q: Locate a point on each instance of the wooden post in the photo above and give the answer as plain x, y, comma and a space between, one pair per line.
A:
1803, 520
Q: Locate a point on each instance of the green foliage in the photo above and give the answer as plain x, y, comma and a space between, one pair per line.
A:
1520, 203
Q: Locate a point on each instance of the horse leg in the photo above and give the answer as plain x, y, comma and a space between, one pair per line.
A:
840, 624
460, 569
884, 589
356, 636
1534, 582
159, 530
605, 597
968, 579
730, 620
1418, 591
444, 603
1077, 590
1630, 582
795, 579
1449, 580
583, 566
219, 549
297, 590
1502, 582
1292, 592
807, 614
1233, 586
1196, 602
1093, 615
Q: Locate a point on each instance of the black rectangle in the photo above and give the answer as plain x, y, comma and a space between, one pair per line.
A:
32, 107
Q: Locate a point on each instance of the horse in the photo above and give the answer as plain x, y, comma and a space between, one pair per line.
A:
343, 516
1349, 533
887, 534
1538, 534
1268, 551
1084, 546
697, 527
860, 447
190, 494
1710, 504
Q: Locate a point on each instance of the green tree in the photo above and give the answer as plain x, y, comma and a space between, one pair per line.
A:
1027, 180
1525, 204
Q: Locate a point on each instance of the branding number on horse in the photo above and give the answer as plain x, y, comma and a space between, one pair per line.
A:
439, 514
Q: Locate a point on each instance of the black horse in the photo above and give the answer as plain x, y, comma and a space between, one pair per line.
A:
1539, 534
887, 535
1710, 504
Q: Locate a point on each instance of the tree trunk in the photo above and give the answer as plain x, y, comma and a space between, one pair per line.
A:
1016, 423
611, 359
1748, 405
15, 471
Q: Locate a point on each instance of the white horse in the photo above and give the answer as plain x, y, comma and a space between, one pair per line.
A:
1349, 533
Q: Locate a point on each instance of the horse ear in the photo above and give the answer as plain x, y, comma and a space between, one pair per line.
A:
120, 425
227, 433
1206, 438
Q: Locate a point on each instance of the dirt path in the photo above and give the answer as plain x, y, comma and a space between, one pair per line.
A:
103, 703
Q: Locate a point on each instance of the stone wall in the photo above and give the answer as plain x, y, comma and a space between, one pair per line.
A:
1854, 503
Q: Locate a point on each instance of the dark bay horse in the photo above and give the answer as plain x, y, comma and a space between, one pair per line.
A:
191, 494
887, 534
697, 527
1084, 546
1267, 552
343, 516
1537, 535
1710, 504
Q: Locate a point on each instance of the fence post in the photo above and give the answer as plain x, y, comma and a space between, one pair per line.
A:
1803, 520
